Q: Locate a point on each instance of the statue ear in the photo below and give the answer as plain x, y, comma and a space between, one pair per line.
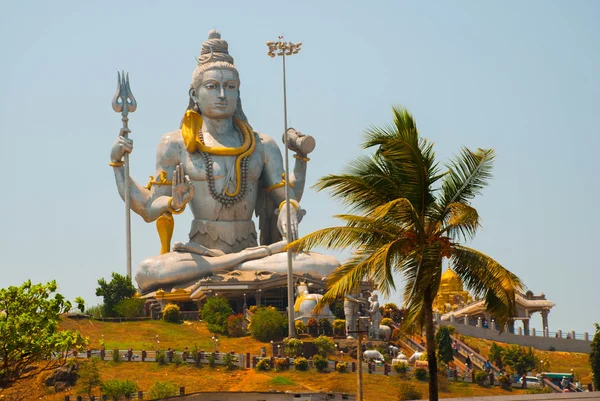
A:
194, 100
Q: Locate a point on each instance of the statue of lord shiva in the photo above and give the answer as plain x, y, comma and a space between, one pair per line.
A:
225, 171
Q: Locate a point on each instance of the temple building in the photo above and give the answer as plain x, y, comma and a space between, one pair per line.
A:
453, 303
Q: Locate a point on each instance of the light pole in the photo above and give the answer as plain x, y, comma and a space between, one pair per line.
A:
282, 48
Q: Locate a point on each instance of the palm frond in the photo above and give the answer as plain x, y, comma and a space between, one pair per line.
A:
468, 173
338, 238
486, 278
462, 221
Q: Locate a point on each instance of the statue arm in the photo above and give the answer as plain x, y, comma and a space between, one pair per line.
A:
298, 177
151, 203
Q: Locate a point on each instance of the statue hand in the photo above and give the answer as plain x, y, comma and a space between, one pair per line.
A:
282, 223
182, 188
121, 146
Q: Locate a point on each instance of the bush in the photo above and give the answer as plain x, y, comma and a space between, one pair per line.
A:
96, 312
119, 388
215, 312
177, 359
301, 363
88, 376
325, 346
421, 374
341, 367
480, 377
320, 362
504, 381
445, 353
300, 327
386, 321
212, 360
339, 327
234, 325
408, 391
292, 347
171, 313
115, 356
161, 358
267, 324
280, 364
539, 390
391, 311
229, 361
160, 390
131, 307
325, 327
401, 368
313, 327
263, 364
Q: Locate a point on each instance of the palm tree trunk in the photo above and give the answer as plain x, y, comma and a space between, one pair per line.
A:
430, 337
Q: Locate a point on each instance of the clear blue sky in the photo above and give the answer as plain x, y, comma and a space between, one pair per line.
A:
520, 77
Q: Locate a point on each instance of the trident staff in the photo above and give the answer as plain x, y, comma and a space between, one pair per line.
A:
123, 102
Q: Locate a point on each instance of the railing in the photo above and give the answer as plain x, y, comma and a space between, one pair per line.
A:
476, 358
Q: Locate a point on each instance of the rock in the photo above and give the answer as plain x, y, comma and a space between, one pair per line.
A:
67, 374
60, 386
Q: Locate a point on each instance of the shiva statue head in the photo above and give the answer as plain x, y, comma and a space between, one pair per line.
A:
215, 88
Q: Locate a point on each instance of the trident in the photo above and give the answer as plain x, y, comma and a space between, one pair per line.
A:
123, 102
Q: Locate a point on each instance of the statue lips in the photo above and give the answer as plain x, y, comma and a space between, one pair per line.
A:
221, 105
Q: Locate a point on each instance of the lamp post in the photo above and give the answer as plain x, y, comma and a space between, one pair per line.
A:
245, 305
282, 48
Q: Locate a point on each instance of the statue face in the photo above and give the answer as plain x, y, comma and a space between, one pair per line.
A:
218, 94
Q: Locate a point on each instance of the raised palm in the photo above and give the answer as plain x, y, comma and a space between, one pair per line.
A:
182, 188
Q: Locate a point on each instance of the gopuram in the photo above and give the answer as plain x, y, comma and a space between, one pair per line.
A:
226, 172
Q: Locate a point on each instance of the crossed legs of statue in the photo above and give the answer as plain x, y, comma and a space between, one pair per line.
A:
184, 268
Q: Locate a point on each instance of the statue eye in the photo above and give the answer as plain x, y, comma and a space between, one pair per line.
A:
210, 86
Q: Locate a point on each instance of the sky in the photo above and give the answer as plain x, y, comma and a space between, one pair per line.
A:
522, 78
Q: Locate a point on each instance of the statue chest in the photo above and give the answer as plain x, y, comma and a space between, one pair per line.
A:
199, 167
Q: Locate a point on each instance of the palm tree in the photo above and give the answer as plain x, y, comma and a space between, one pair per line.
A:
401, 222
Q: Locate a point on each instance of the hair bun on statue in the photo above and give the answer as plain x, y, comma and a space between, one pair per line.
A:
214, 49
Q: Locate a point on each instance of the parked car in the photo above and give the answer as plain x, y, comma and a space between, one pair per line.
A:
532, 382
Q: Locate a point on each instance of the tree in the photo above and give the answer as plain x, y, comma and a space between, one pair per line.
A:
88, 376
595, 357
29, 339
393, 312
520, 359
495, 355
267, 324
444, 343
80, 304
405, 217
215, 312
118, 289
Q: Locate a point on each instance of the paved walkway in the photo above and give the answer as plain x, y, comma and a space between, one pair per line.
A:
536, 397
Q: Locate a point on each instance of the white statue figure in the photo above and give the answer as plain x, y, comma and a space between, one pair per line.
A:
375, 315
305, 305
225, 171
351, 305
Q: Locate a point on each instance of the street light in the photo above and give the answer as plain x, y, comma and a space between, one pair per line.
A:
282, 48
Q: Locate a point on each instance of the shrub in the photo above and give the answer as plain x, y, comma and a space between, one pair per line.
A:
408, 391
539, 390
115, 355
161, 390
119, 388
215, 312
504, 381
325, 346
234, 325
263, 364
293, 347
88, 376
313, 326
301, 363
161, 358
337, 308
421, 374
445, 353
320, 362
212, 360
391, 311
280, 364
401, 368
386, 321
300, 327
552, 348
495, 355
339, 327
267, 324
229, 361
341, 367
325, 327
177, 359
396, 334
131, 307
480, 377
253, 308
96, 312
171, 313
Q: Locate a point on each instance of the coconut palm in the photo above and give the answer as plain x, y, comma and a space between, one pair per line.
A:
405, 217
